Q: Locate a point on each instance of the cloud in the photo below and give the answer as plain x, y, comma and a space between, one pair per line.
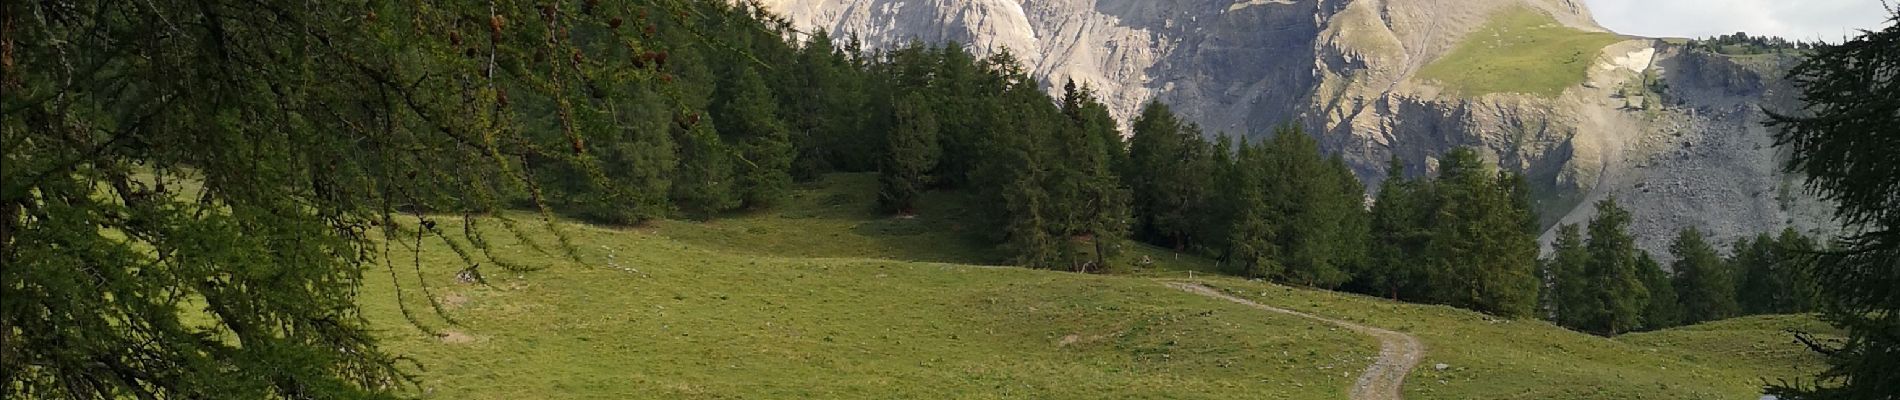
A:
1794, 19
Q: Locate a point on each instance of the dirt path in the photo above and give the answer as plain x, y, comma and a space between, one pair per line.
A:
1398, 352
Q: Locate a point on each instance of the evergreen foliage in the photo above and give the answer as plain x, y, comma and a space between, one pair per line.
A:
1094, 204
748, 119
193, 191
1844, 141
1573, 297
1399, 231
910, 154
1165, 174
1664, 310
1772, 278
1705, 285
1318, 207
1479, 255
1612, 268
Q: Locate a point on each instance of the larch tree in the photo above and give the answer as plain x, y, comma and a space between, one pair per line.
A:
193, 191
1844, 141
1479, 256
1613, 272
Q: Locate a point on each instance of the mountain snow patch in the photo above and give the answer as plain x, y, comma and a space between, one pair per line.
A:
1635, 61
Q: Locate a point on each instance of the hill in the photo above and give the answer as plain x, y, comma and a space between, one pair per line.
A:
812, 301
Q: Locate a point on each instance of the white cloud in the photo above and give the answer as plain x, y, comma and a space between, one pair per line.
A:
1794, 19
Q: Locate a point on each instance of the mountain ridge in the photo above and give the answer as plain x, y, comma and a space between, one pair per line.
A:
1673, 133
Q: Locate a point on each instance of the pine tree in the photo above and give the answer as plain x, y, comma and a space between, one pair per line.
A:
823, 114
1320, 240
1756, 281
1014, 168
910, 154
704, 178
1704, 284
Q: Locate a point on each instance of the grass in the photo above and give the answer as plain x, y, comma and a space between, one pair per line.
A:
1520, 50
806, 302
650, 315
1490, 358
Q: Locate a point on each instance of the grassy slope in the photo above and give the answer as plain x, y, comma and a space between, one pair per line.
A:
1500, 359
1521, 50
709, 316
797, 303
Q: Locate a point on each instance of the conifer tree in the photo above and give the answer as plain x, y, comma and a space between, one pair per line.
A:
1159, 173
1398, 235
1664, 310
1844, 141
241, 162
1796, 255
1322, 214
1253, 247
1479, 256
821, 117
1704, 284
1613, 272
747, 117
1573, 297
1094, 203
909, 156
1772, 273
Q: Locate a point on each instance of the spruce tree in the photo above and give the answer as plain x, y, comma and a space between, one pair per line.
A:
1095, 201
1704, 284
910, 154
1756, 282
747, 117
1323, 217
1159, 173
820, 119
1795, 257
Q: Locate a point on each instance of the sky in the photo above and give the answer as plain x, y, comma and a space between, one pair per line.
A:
1828, 20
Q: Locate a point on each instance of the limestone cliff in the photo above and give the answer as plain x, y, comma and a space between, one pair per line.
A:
1674, 134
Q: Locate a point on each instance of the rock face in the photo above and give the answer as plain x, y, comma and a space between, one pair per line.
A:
1684, 148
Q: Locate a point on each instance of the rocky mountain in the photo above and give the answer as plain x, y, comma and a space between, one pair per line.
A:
1674, 133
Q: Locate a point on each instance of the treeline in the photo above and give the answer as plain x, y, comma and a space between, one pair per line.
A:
1741, 43
1603, 284
750, 106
